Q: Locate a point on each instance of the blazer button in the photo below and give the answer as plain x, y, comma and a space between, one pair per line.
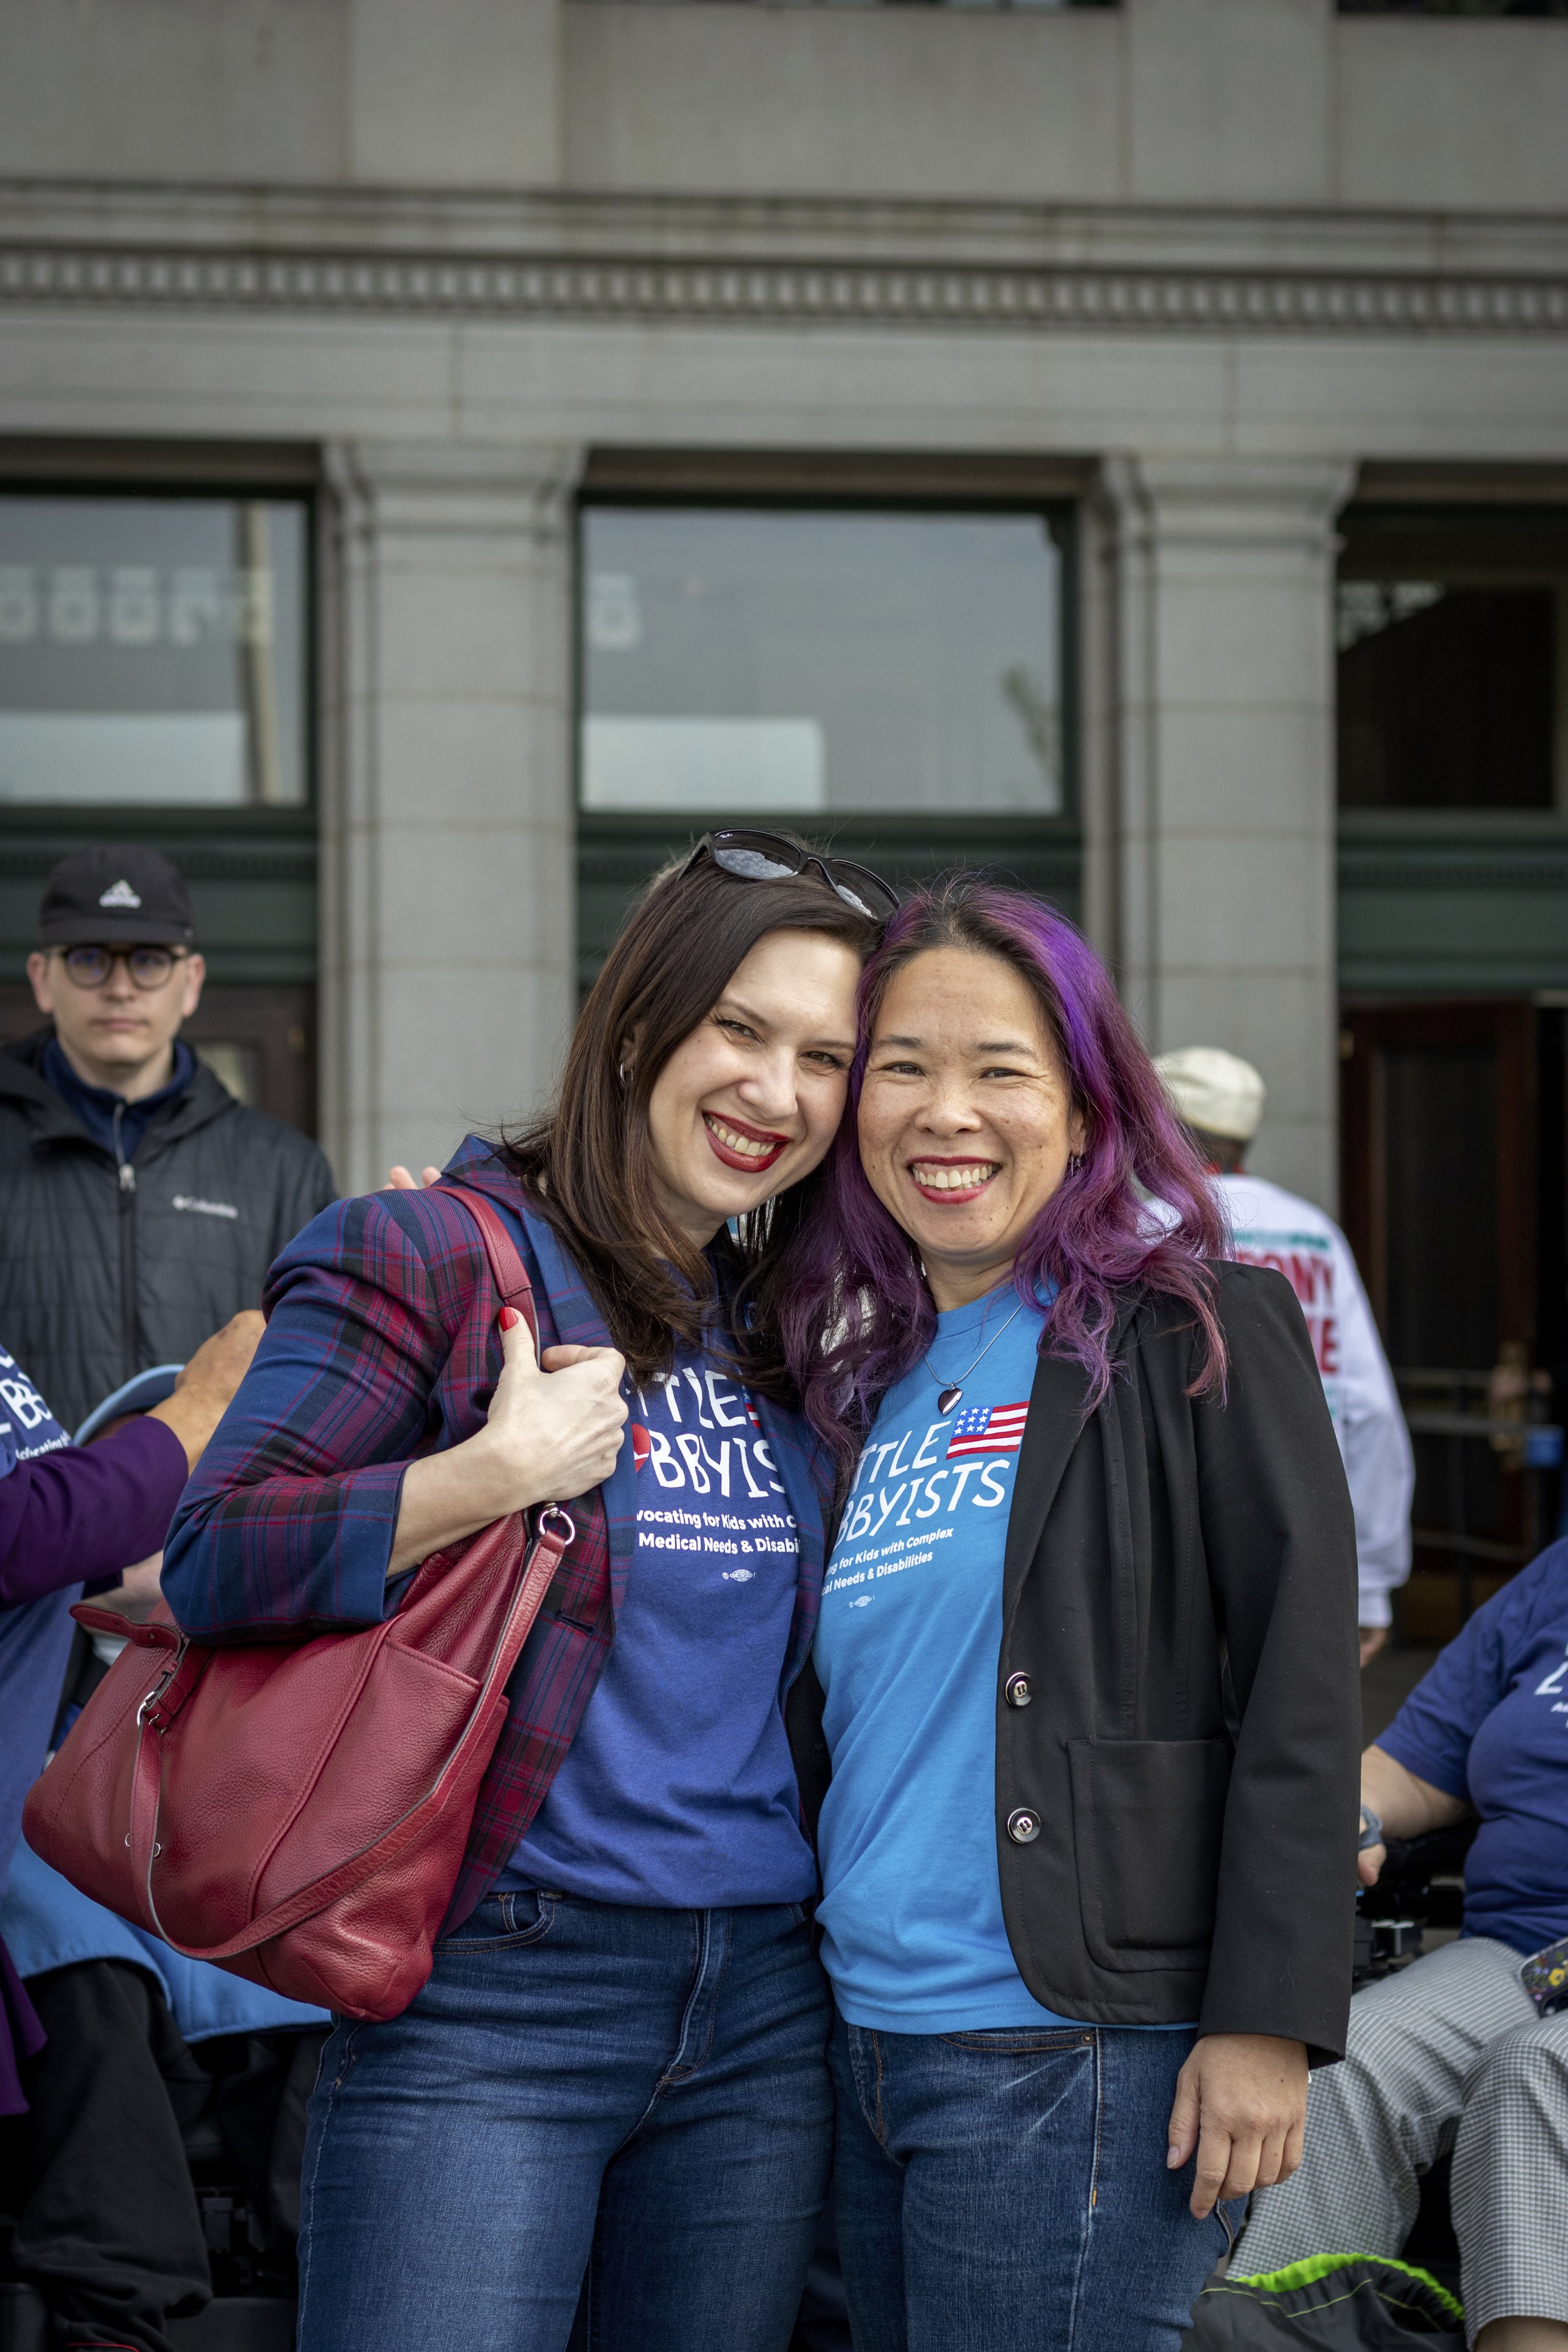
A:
1016, 1690
1022, 1827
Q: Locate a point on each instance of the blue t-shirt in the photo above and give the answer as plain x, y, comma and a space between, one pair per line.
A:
906, 1653
679, 1789
1489, 1724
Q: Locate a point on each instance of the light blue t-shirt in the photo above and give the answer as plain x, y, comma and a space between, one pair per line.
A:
906, 1653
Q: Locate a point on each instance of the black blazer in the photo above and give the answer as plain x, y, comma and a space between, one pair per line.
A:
1178, 1717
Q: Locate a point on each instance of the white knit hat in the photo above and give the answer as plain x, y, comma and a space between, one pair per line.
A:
1215, 1090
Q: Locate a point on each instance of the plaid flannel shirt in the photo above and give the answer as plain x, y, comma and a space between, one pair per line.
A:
382, 1343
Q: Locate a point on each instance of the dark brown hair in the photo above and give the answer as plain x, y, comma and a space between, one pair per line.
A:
588, 1161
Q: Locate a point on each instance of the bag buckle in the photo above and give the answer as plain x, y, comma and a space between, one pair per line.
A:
150, 1712
554, 1511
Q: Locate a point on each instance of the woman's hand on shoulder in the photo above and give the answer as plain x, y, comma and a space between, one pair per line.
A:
206, 1384
1241, 2105
555, 1430
542, 1444
552, 1431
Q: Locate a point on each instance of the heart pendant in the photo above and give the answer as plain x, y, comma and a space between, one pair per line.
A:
949, 1397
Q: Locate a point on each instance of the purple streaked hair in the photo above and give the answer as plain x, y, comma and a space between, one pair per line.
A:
853, 1272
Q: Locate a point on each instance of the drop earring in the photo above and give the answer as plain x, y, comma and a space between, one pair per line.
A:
1075, 1161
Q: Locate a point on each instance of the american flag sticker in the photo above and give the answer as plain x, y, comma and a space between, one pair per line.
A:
988, 1429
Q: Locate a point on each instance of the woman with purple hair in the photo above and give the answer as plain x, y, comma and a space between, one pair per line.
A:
1086, 1666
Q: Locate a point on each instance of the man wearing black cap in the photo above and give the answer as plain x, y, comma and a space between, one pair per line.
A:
140, 1204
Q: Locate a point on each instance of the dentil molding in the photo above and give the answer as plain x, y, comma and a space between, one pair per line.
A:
1133, 268
786, 293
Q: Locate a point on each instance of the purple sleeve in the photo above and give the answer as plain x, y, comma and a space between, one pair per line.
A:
21, 2035
88, 1511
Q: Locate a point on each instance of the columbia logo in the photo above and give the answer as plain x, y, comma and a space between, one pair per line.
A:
120, 894
204, 1208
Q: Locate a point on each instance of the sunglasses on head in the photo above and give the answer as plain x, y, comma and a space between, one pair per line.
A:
770, 857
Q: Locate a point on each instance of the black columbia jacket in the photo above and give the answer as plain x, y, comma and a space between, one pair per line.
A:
105, 1270
1178, 1711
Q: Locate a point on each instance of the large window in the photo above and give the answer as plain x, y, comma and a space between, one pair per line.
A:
796, 664
156, 685
898, 681
153, 652
1453, 660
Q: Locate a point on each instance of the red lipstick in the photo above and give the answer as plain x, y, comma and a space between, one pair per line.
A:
752, 1162
949, 1196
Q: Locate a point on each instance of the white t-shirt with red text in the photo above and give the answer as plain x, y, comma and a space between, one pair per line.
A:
1271, 1227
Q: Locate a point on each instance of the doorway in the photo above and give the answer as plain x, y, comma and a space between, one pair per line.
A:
1452, 1117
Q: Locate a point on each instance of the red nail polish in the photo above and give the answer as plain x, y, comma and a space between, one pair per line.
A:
509, 1315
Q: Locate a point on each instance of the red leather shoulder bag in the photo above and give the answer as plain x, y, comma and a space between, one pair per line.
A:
299, 1814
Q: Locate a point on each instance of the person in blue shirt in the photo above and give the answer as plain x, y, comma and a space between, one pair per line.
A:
1086, 1666
96, 2073
610, 2098
1452, 2052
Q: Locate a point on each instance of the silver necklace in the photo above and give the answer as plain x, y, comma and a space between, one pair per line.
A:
949, 1396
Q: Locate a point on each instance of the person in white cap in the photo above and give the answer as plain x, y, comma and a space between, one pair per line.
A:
1219, 1099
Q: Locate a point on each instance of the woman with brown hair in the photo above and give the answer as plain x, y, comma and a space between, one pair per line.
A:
614, 2080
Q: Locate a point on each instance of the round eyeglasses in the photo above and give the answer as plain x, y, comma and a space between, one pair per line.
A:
773, 857
148, 967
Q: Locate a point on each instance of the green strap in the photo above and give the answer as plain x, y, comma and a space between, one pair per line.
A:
1317, 2266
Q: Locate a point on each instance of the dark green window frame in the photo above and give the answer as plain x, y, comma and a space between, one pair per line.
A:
1456, 901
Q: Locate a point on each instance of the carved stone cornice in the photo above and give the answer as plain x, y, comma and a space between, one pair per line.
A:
1106, 269
788, 293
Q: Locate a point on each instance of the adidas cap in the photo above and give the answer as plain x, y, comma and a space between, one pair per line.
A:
112, 891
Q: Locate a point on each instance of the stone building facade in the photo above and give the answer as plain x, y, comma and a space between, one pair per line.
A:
1222, 283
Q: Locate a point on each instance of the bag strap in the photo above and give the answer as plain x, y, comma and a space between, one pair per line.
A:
507, 1269
555, 1531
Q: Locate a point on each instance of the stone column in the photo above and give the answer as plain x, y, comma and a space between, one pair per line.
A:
449, 883
1222, 799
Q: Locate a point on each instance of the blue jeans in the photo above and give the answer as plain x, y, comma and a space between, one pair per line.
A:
1006, 2191
630, 2103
